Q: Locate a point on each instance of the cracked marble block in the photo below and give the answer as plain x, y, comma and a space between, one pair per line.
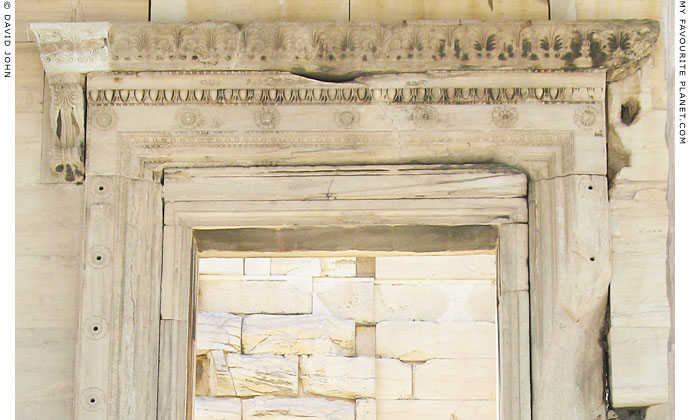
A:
252, 375
267, 408
218, 331
421, 341
298, 334
217, 408
338, 377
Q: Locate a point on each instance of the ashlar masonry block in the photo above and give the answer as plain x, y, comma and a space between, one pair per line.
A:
218, 331
339, 377
393, 379
267, 408
217, 408
455, 379
251, 375
298, 334
349, 298
421, 341
256, 294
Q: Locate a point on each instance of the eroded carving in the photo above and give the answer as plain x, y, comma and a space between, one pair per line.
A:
189, 118
349, 48
504, 116
67, 126
346, 118
585, 116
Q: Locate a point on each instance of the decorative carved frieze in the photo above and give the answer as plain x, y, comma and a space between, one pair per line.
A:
341, 50
345, 95
73, 47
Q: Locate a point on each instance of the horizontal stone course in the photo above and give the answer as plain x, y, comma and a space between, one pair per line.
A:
298, 334
217, 408
421, 341
455, 379
338, 377
267, 408
436, 410
256, 294
432, 300
393, 379
449, 267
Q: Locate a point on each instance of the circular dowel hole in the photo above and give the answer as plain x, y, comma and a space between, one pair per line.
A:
590, 187
98, 258
101, 188
95, 328
592, 259
92, 400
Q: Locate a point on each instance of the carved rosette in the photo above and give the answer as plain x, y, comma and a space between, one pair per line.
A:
346, 118
585, 116
189, 118
504, 116
424, 116
266, 118
102, 118
67, 127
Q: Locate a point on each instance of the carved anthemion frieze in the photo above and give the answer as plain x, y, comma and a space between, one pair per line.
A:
338, 50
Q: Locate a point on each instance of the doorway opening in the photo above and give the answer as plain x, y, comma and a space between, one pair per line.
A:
366, 323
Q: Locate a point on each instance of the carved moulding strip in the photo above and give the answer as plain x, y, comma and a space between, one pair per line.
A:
541, 154
346, 95
348, 49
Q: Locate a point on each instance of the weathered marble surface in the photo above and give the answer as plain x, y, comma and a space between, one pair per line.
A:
338, 377
393, 379
442, 410
455, 379
218, 331
439, 301
217, 408
260, 294
365, 409
421, 341
251, 375
348, 298
474, 267
266, 408
298, 334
